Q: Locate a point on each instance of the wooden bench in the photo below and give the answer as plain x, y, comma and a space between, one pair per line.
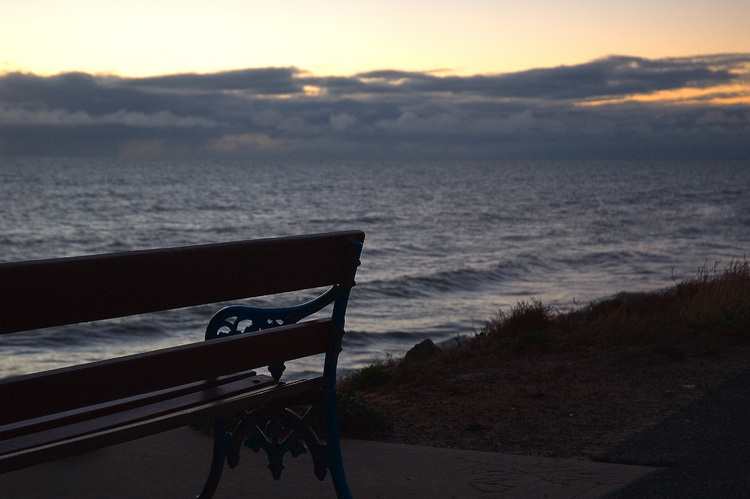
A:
48, 415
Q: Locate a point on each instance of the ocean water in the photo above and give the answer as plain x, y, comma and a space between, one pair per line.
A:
449, 243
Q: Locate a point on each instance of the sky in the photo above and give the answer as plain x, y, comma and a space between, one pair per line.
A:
469, 78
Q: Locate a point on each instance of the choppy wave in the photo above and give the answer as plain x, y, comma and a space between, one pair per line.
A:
443, 283
448, 243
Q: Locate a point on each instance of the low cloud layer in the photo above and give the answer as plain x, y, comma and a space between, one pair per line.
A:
612, 107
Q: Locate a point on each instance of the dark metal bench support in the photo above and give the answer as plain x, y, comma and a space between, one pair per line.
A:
278, 430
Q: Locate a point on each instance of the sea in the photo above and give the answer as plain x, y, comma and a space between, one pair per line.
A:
449, 243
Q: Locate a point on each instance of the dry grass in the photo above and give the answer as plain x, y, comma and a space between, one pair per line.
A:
537, 380
701, 317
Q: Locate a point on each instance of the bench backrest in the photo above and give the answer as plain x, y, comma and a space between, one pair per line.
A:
44, 293
64, 291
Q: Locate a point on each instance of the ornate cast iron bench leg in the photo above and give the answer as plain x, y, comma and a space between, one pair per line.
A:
333, 445
221, 444
277, 431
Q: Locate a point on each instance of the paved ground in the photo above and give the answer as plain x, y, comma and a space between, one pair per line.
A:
174, 464
704, 450
701, 452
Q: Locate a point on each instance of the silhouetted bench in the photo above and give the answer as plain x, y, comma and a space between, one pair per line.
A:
48, 415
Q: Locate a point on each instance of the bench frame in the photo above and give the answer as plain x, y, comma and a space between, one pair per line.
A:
52, 414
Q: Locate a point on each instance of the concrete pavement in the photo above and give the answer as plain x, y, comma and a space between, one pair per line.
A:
174, 464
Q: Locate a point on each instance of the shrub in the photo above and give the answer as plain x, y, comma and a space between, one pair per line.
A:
528, 341
523, 318
368, 378
358, 420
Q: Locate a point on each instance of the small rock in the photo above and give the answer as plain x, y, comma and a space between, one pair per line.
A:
422, 351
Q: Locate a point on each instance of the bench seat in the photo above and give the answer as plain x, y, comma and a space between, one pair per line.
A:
205, 383
50, 437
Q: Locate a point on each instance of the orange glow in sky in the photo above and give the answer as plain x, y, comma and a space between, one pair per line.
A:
718, 95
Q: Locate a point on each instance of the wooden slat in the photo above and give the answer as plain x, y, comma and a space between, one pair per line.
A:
118, 416
240, 381
65, 389
66, 441
56, 292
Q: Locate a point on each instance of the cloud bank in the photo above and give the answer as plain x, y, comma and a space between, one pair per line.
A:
613, 107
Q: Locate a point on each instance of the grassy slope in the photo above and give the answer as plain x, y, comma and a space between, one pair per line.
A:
563, 382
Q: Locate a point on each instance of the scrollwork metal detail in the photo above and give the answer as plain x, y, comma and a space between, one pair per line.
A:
277, 431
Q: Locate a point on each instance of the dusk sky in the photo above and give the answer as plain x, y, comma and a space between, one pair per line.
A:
475, 78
